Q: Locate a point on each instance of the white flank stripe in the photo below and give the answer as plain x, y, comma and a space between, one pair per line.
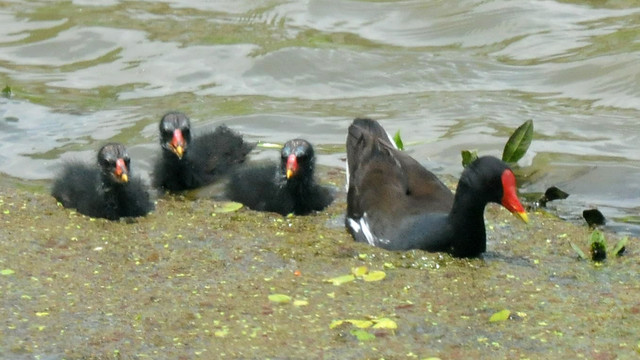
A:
371, 239
346, 188
354, 225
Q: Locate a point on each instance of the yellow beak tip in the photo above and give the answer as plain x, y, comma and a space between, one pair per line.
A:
289, 173
124, 178
179, 151
522, 216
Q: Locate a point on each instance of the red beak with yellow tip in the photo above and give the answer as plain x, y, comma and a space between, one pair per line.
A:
121, 172
177, 143
510, 197
292, 166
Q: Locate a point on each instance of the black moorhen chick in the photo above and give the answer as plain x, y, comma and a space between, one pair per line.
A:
188, 163
107, 191
395, 203
285, 188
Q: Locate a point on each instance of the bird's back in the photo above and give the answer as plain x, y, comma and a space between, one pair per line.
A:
389, 192
77, 187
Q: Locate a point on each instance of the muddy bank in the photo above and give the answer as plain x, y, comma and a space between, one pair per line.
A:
189, 282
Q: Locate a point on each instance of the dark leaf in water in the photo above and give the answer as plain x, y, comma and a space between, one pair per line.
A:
594, 217
518, 143
552, 193
468, 156
398, 140
598, 246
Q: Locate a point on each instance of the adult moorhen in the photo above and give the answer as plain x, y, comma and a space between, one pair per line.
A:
107, 191
288, 187
395, 203
188, 163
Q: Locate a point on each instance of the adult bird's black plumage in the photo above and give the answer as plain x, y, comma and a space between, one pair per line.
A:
287, 187
395, 203
104, 191
190, 162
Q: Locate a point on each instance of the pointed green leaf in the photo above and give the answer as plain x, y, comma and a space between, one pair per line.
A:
598, 246
619, 248
518, 143
398, 140
501, 315
597, 237
581, 254
468, 156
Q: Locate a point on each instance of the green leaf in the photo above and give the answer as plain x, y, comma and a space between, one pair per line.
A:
376, 275
385, 323
518, 143
598, 246
7, 272
501, 315
581, 254
280, 298
362, 335
7, 92
361, 324
468, 156
227, 206
619, 248
359, 271
339, 280
398, 140
268, 145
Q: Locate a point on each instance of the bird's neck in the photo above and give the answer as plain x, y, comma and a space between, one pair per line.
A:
467, 221
170, 156
299, 190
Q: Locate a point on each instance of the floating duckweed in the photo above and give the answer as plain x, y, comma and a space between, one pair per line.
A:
501, 315
359, 271
227, 206
385, 323
341, 279
362, 335
280, 298
376, 275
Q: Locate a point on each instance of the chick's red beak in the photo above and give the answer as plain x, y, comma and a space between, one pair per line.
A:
121, 172
510, 197
178, 143
292, 166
